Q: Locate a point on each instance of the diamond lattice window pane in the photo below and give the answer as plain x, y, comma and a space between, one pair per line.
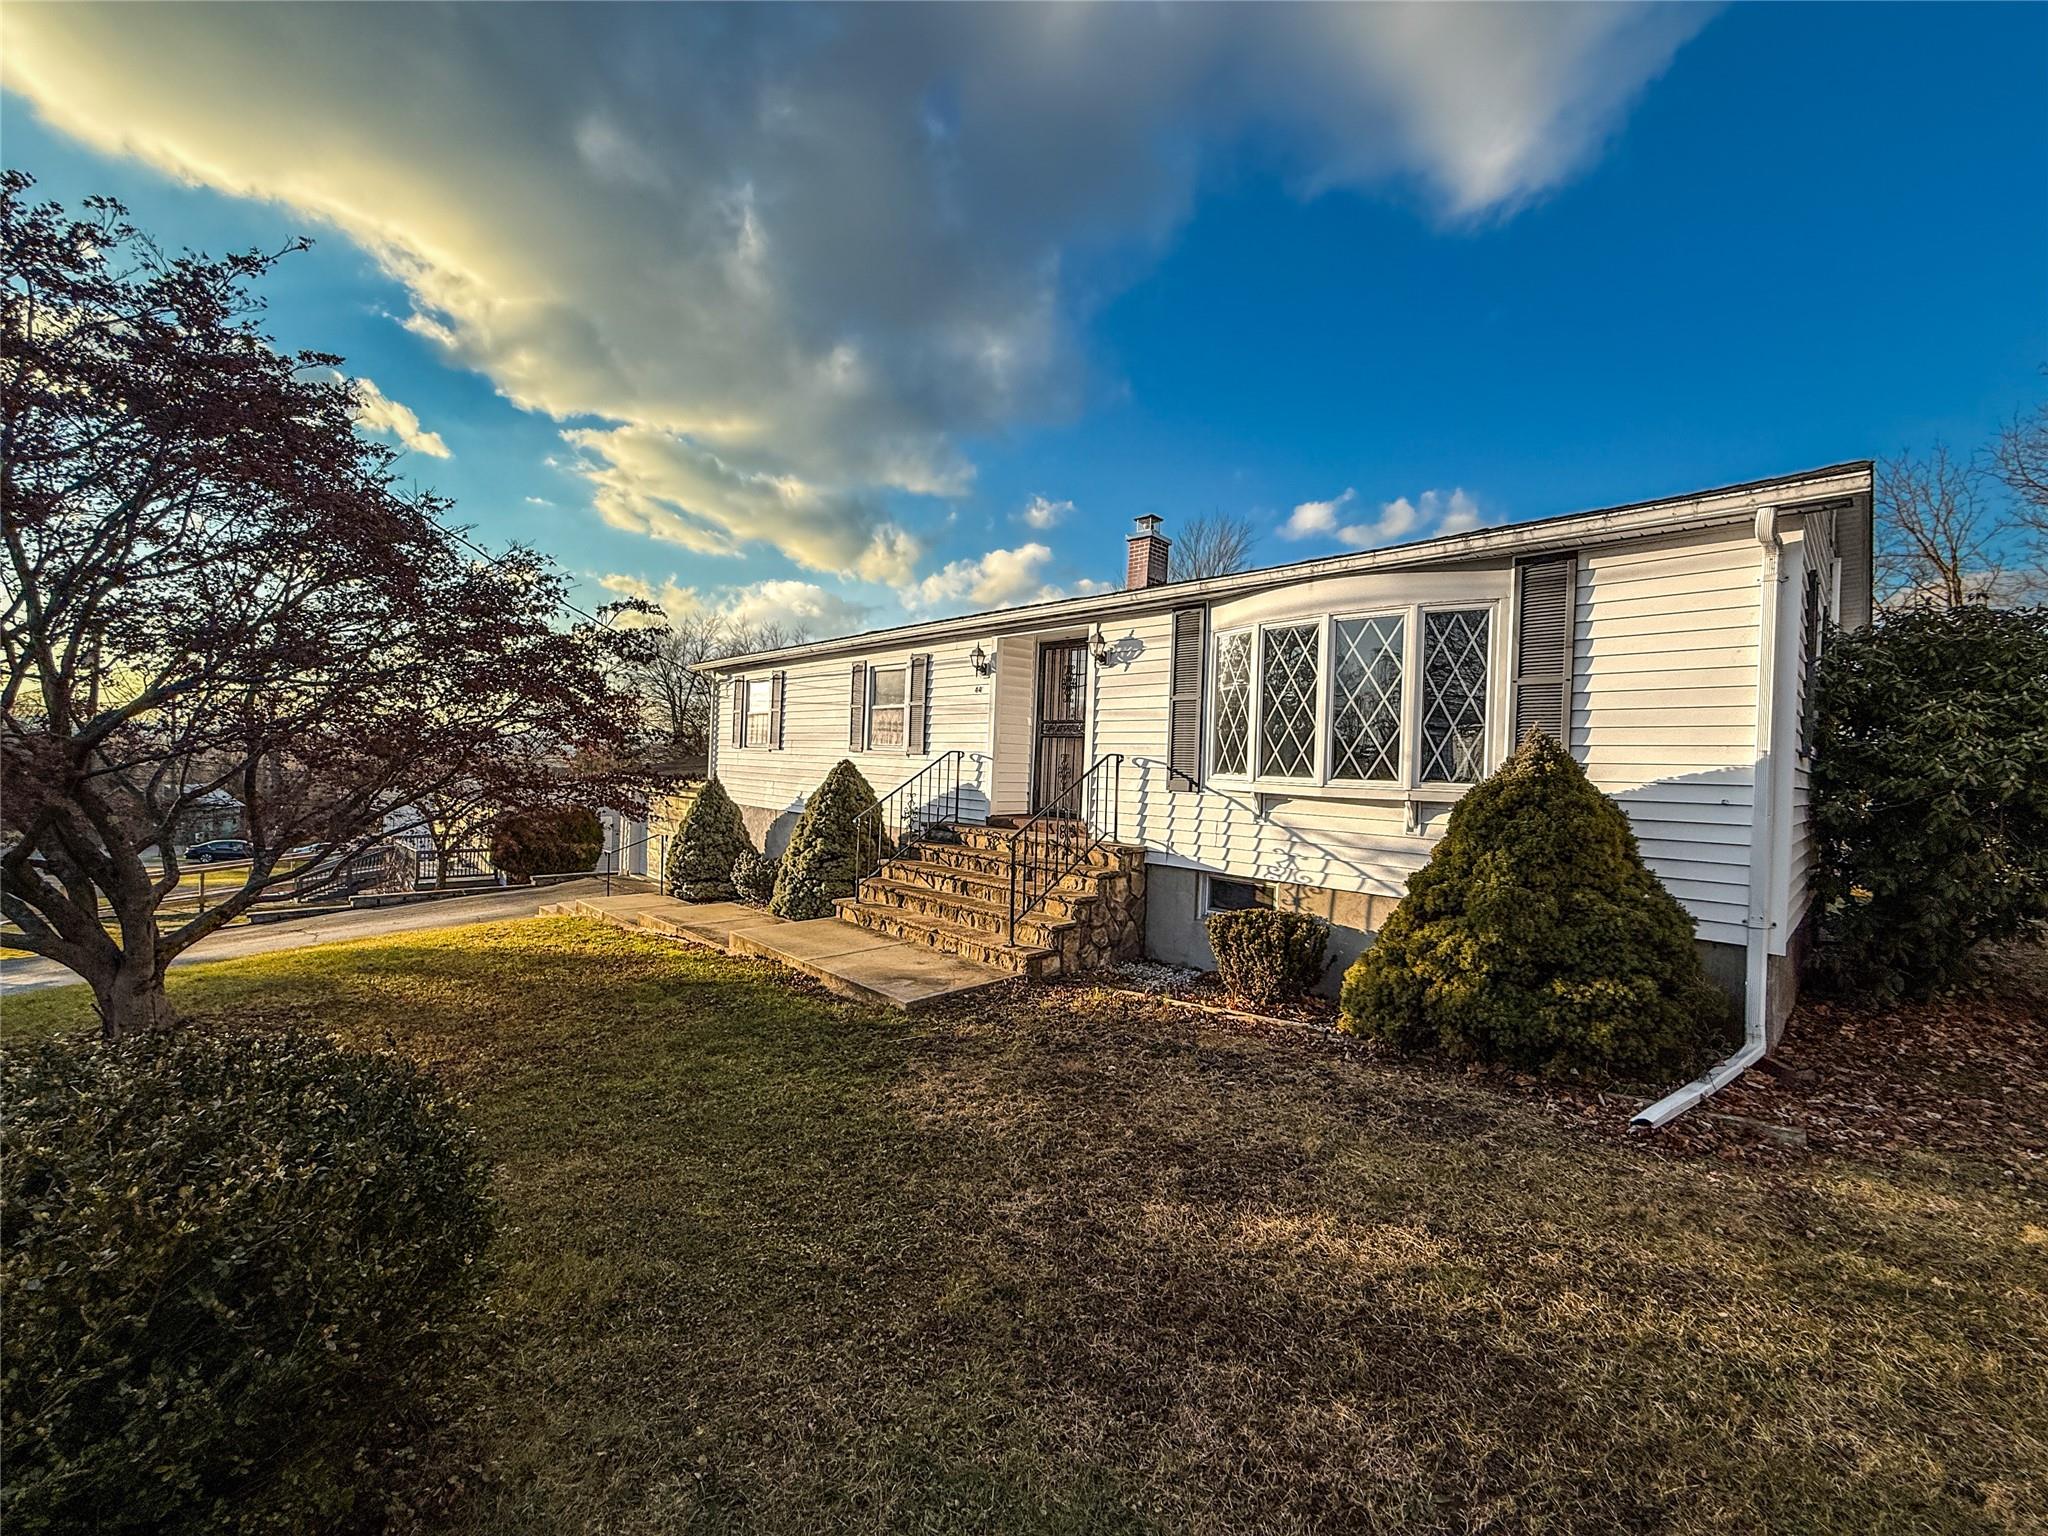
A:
1365, 720
1289, 669
1454, 648
1233, 702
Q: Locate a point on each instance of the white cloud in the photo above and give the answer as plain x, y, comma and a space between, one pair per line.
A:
801, 257
1042, 512
792, 604
1312, 518
668, 488
378, 412
538, 501
1001, 578
1431, 513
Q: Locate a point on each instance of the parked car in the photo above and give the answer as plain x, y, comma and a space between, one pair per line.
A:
220, 851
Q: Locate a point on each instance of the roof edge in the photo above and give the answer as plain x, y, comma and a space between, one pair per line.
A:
1736, 503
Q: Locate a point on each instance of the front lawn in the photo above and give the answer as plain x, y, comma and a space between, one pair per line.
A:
1064, 1262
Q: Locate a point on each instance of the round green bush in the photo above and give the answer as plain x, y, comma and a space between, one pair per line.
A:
712, 836
1536, 936
552, 842
1264, 956
227, 1260
1930, 794
753, 876
817, 867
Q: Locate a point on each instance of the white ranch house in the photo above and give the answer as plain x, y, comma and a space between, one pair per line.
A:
1298, 735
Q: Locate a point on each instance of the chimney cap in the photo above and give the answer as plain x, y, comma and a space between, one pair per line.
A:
1149, 523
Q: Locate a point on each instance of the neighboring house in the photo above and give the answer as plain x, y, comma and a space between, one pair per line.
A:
1297, 736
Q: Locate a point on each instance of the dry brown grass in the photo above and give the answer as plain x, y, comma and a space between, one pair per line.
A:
1074, 1263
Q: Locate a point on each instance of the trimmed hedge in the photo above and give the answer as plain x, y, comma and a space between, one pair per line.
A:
1264, 956
753, 876
1930, 794
817, 867
1537, 936
552, 842
712, 836
227, 1260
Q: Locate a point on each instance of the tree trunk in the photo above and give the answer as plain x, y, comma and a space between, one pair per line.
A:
131, 1001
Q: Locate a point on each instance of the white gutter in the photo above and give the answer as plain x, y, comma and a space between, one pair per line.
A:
1763, 861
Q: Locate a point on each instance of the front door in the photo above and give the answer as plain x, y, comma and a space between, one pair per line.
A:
1062, 719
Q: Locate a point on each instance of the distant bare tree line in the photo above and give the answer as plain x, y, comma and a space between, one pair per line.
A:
677, 698
1953, 530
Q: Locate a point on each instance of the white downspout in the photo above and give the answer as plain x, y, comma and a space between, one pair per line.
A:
1763, 862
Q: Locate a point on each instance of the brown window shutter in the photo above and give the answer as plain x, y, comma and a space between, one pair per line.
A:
1545, 600
739, 713
913, 731
857, 731
1184, 720
775, 710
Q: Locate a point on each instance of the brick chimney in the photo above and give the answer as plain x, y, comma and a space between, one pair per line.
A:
1147, 565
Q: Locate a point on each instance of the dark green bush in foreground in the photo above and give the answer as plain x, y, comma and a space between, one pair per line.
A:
1264, 956
225, 1259
817, 867
550, 842
753, 876
1536, 936
1930, 790
712, 836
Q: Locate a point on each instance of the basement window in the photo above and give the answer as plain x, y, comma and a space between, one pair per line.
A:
1227, 895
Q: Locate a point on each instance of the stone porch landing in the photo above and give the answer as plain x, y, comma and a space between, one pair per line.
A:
853, 962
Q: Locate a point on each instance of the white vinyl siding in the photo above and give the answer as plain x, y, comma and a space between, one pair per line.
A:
814, 729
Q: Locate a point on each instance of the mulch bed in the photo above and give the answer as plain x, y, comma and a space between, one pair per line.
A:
1963, 1075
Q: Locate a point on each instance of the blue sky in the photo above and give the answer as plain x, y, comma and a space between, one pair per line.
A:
797, 314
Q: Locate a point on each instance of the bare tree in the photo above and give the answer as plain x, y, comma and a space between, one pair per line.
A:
2020, 458
1213, 544
1939, 540
676, 698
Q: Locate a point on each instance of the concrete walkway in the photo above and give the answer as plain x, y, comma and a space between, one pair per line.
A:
853, 962
32, 974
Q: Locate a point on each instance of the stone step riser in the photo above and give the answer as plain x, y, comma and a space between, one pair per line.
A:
996, 866
912, 929
1066, 900
1039, 929
997, 841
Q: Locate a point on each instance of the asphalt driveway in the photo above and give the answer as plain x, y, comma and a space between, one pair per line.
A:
25, 975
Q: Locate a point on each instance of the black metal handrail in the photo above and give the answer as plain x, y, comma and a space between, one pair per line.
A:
1059, 838
909, 814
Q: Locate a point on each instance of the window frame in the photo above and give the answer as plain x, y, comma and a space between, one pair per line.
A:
760, 692
1212, 714
1491, 696
1265, 888
901, 710
1409, 786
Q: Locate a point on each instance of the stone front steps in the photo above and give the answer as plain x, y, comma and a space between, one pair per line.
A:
955, 897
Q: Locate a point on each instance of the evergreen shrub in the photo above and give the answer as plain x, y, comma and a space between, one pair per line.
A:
1536, 936
818, 865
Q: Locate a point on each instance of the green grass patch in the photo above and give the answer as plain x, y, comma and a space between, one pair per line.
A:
1062, 1263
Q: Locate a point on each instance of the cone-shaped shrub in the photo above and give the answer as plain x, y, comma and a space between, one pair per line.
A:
817, 867
753, 876
711, 837
1536, 936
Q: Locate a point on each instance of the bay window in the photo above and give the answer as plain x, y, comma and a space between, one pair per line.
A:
1382, 703
1290, 671
1365, 704
1454, 652
1232, 706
